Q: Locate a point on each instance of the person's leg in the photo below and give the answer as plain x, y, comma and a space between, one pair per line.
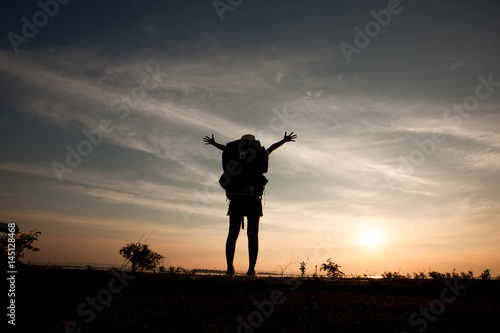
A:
253, 241
232, 236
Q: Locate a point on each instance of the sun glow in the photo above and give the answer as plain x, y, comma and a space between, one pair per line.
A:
371, 238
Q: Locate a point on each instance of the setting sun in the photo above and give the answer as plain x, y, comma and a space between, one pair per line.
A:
371, 238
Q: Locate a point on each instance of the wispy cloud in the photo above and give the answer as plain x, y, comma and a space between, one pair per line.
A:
360, 129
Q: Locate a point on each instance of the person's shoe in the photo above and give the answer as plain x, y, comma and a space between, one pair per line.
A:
230, 275
251, 276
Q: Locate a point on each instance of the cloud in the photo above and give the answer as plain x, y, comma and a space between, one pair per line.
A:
466, 66
353, 123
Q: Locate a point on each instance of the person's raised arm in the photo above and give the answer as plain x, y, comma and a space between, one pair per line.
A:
211, 141
286, 138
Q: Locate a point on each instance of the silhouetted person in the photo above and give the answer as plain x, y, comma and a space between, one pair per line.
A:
244, 189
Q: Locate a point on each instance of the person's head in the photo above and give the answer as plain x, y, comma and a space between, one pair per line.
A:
248, 137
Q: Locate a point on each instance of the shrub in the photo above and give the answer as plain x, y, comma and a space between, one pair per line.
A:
303, 268
331, 269
438, 276
467, 276
420, 275
172, 270
392, 275
452, 275
486, 275
24, 243
141, 256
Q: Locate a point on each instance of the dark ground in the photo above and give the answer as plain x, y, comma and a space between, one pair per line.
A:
58, 300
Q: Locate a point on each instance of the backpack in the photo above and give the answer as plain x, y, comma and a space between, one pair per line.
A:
244, 162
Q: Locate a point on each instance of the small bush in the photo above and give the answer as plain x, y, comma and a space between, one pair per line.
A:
467, 276
438, 276
420, 275
303, 268
392, 275
486, 275
331, 269
172, 270
141, 256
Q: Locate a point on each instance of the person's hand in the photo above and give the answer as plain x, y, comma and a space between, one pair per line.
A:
208, 140
290, 137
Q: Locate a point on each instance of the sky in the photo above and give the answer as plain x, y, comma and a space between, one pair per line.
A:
396, 104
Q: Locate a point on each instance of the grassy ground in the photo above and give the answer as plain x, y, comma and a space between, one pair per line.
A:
57, 300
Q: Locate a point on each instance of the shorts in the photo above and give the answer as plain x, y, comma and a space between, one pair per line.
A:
245, 207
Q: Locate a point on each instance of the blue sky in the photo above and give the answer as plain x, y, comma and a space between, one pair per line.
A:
400, 140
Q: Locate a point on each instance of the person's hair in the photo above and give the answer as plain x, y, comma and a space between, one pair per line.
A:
248, 137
